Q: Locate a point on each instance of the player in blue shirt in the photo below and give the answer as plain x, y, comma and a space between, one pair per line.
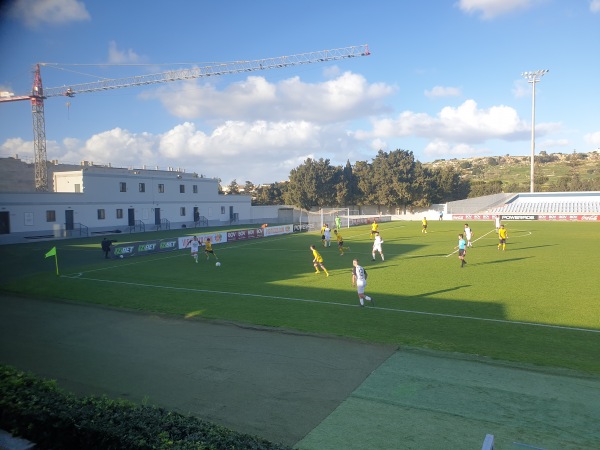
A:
462, 251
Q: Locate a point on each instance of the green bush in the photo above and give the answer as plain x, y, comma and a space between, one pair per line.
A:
39, 411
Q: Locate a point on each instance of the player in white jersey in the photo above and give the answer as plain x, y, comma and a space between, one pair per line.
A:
359, 279
377, 246
468, 235
194, 245
327, 236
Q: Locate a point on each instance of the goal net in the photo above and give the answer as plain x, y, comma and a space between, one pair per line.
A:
318, 219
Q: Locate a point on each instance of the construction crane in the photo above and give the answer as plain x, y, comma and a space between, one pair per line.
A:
39, 94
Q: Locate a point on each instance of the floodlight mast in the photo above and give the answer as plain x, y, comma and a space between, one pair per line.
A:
39, 94
533, 77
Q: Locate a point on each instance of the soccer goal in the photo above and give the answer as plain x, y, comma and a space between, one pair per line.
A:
318, 219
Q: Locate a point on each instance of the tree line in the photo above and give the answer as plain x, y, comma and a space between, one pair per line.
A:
392, 179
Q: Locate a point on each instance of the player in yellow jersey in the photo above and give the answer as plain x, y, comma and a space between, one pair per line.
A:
340, 241
374, 228
424, 225
502, 235
323, 234
318, 260
208, 249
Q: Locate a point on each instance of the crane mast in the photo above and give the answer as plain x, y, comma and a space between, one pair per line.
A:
38, 94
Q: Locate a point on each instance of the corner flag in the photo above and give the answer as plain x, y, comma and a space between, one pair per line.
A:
52, 252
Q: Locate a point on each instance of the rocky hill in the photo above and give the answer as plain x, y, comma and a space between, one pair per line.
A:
551, 170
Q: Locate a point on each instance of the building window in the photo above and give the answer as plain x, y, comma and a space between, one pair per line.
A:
222, 210
182, 211
50, 216
78, 188
119, 213
195, 188
182, 188
122, 186
161, 188
142, 187
101, 214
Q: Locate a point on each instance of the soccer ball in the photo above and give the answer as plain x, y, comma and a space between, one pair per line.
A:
218, 264
121, 256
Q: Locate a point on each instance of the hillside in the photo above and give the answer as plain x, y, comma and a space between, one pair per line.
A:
551, 170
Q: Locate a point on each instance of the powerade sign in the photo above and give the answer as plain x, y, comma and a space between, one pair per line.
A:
508, 217
144, 248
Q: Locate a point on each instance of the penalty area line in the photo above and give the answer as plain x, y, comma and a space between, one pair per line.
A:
306, 300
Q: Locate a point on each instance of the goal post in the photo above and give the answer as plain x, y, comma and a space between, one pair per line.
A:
328, 216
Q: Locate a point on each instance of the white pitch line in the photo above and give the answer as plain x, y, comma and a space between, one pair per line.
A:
481, 237
305, 300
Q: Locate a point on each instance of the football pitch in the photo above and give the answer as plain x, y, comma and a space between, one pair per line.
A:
536, 303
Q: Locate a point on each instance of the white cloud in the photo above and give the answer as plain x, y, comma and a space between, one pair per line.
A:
593, 138
490, 9
466, 123
439, 148
116, 56
551, 143
345, 97
53, 12
443, 91
595, 6
521, 89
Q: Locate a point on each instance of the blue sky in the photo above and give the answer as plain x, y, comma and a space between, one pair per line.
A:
443, 80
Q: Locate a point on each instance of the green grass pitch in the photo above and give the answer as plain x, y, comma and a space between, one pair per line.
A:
538, 302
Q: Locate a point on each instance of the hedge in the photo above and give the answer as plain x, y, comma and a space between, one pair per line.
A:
39, 411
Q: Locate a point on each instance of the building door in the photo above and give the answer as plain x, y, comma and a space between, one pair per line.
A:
131, 217
4, 222
196, 214
69, 225
156, 216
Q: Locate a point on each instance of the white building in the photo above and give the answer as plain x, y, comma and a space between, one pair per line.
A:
99, 199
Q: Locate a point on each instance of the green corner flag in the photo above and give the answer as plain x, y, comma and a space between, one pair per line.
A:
52, 252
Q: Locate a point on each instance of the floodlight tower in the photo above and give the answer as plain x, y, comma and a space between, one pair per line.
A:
533, 77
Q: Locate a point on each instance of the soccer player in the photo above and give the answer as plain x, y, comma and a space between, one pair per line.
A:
503, 236
318, 260
497, 224
208, 249
327, 236
468, 235
424, 225
340, 241
359, 279
377, 246
374, 228
323, 234
462, 251
338, 223
194, 245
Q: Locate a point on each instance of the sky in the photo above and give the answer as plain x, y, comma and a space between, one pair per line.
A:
443, 80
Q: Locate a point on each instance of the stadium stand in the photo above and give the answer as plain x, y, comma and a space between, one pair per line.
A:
478, 204
551, 203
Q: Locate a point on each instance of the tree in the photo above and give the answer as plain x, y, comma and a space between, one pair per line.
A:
393, 174
346, 188
271, 194
249, 187
449, 185
233, 187
313, 183
363, 175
